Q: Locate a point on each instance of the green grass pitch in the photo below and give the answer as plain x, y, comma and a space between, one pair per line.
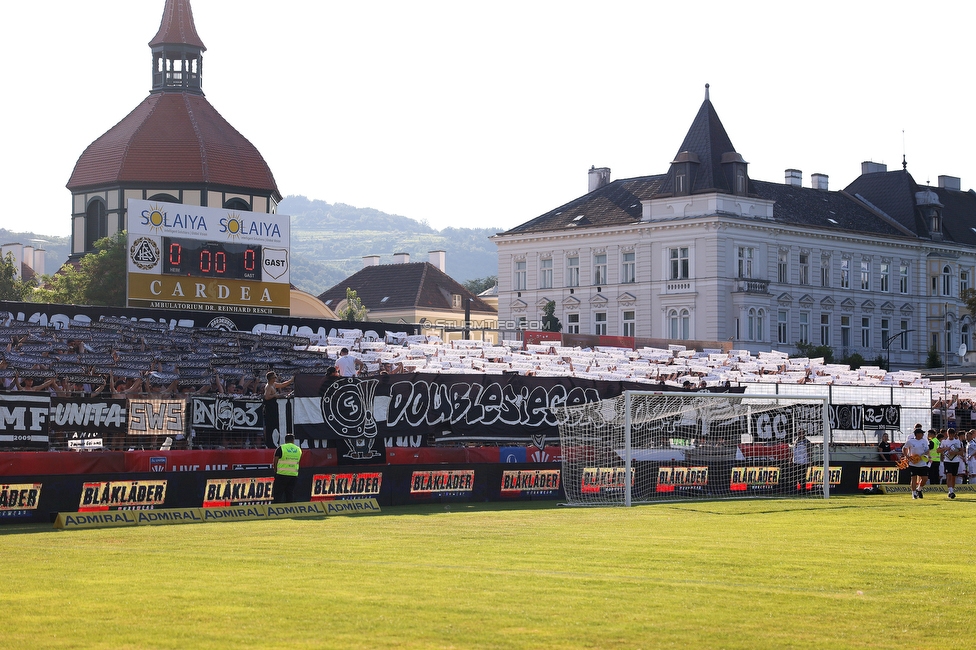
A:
850, 572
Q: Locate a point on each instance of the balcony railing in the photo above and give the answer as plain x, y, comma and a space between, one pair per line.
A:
751, 285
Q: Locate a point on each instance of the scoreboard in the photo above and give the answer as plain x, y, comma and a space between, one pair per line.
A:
210, 259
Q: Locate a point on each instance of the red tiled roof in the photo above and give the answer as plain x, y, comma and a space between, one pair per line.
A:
173, 138
403, 286
177, 26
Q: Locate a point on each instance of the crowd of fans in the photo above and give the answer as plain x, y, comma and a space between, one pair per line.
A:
119, 357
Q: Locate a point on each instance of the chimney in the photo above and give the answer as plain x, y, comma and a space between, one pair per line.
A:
371, 260
17, 251
401, 258
598, 177
794, 177
868, 167
950, 183
40, 258
818, 181
29, 258
439, 259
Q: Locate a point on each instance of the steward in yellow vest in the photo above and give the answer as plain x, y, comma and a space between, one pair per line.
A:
286, 461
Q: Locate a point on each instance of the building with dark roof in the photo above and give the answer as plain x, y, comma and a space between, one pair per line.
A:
415, 292
704, 252
173, 147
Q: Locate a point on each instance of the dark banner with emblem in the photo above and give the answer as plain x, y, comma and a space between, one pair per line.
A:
469, 407
226, 415
864, 417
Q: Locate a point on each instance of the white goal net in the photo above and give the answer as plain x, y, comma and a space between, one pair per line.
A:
645, 447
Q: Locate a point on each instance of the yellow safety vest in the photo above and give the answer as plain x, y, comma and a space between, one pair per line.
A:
934, 450
291, 454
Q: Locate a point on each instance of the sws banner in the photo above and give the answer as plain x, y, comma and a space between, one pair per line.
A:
471, 407
24, 421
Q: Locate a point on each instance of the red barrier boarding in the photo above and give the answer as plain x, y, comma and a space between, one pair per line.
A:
51, 463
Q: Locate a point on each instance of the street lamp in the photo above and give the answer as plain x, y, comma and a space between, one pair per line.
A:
888, 341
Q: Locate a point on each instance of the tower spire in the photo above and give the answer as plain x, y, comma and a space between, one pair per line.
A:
177, 51
706, 92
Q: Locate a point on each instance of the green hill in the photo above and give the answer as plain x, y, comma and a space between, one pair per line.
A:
329, 240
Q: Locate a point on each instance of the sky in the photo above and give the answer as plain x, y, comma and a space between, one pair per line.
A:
482, 114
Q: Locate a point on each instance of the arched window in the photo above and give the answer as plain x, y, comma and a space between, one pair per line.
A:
757, 324
96, 223
165, 198
946, 280
964, 335
237, 204
679, 324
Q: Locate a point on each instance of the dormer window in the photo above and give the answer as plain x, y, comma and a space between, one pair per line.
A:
680, 183
935, 221
683, 167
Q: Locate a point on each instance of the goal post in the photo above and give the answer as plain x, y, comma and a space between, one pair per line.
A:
647, 447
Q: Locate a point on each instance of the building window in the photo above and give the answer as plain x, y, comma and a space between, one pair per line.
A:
885, 333
865, 275
679, 263
572, 323
804, 268
745, 257
845, 332
782, 327
804, 327
825, 272
600, 269
628, 273
946, 281
629, 323
679, 324
963, 281
522, 322
756, 324
96, 223
964, 335
456, 300
783, 267
680, 181
865, 332
885, 276
740, 182
903, 278
905, 344
600, 323
845, 274
545, 274
572, 272
520, 276
824, 329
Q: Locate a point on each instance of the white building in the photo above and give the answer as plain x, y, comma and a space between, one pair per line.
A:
706, 253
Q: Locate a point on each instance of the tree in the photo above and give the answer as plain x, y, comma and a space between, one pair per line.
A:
478, 285
811, 351
99, 278
12, 285
549, 321
352, 308
934, 360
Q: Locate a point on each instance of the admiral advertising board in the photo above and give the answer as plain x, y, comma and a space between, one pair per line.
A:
208, 259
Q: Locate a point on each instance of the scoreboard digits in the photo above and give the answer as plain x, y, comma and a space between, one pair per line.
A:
209, 259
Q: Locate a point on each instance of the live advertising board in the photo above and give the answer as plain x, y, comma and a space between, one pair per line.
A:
207, 259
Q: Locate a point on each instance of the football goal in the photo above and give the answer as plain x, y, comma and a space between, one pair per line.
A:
645, 447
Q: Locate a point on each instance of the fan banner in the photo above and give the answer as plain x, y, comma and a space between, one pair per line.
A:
88, 415
226, 414
24, 421
860, 417
472, 407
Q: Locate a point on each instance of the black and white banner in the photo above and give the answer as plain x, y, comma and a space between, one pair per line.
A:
864, 417
226, 414
89, 415
475, 407
24, 421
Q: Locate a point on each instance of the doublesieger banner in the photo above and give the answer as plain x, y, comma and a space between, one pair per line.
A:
470, 407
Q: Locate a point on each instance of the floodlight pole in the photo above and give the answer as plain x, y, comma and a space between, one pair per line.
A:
945, 369
888, 341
